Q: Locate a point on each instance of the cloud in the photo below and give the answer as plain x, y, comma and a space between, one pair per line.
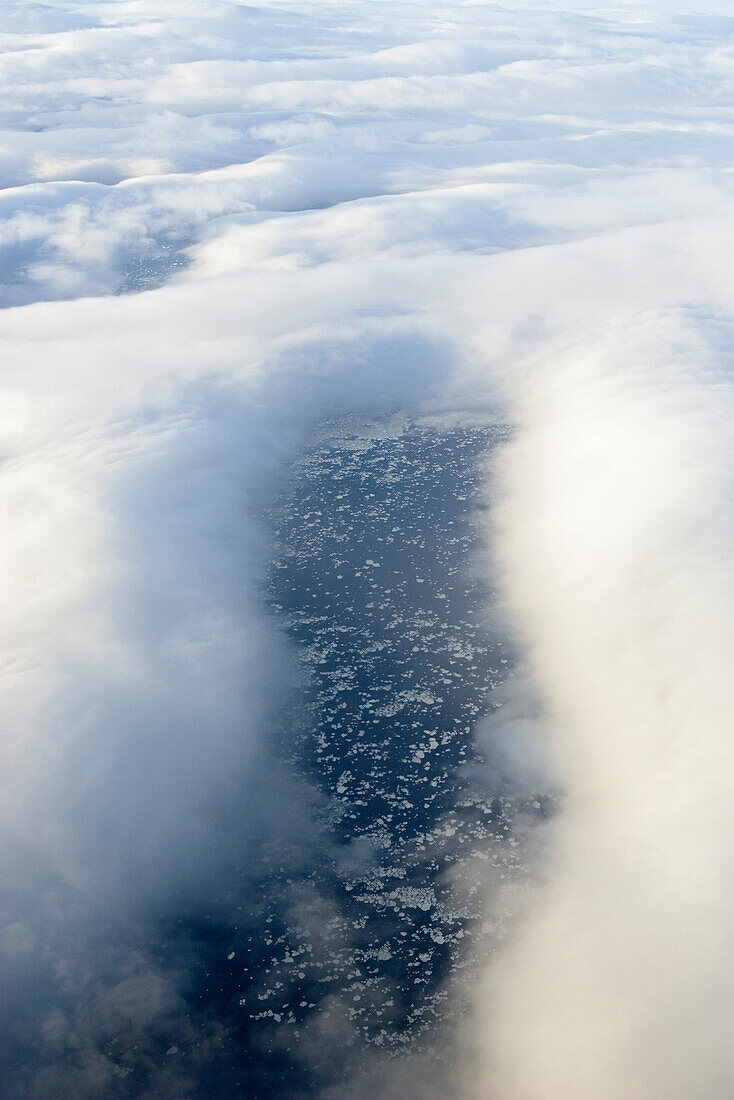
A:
223, 223
615, 533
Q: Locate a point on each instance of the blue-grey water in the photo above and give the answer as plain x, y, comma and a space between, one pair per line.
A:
374, 578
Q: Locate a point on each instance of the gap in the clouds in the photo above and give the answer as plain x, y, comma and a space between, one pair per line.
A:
353, 953
154, 267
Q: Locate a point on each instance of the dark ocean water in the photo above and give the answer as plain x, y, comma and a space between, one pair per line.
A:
374, 578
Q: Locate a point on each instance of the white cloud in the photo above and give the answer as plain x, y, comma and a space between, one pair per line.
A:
395, 205
616, 539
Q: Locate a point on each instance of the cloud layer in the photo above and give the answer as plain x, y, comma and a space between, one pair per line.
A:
616, 542
222, 223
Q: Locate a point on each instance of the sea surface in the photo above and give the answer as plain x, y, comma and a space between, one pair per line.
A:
375, 579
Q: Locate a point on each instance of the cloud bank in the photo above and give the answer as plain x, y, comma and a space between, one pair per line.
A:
223, 223
616, 535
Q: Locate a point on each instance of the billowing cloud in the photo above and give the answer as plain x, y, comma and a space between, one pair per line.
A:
223, 224
615, 538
